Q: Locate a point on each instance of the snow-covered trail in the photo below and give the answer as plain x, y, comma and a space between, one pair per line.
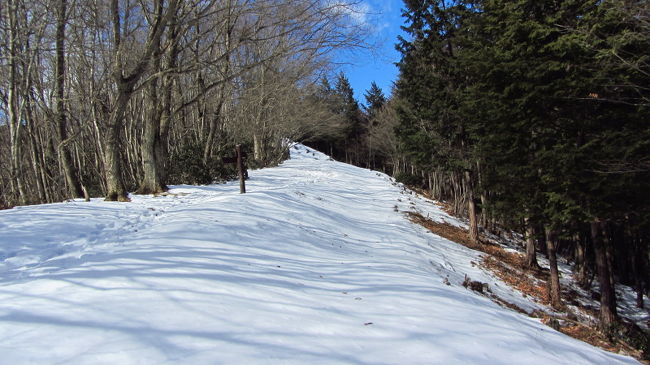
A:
316, 264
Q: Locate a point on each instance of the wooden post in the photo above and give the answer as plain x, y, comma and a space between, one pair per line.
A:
240, 169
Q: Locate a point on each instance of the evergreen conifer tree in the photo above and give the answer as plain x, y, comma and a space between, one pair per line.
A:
544, 101
348, 108
375, 99
434, 125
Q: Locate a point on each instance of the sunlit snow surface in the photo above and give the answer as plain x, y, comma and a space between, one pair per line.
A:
316, 264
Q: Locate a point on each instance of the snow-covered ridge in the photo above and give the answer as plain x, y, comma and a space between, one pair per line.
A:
315, 264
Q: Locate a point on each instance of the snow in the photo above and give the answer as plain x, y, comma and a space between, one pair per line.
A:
316, 264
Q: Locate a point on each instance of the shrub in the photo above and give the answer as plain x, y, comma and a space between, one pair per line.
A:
186, 167
409, 179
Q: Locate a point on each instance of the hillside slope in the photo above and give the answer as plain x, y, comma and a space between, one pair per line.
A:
316, 264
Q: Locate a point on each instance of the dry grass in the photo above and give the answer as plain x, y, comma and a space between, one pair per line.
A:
511, 268
507, 266
460, 235
518, 278
590, 336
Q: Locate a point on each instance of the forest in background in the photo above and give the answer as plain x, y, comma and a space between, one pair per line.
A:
530, 116
523, 115
99, 98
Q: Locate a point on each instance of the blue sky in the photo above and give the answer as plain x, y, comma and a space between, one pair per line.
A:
364, 66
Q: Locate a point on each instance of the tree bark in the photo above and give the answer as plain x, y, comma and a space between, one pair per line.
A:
554, 278
485, 219
36, 163
151, 182
13, 107
240, 169
69, 171
162, 142
607, 314
640, 279
116, 190
258, 148
581, 262
531, 254
471, 208
161, 147
608, 240
222, 94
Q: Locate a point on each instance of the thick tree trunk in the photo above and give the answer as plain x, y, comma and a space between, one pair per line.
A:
607, 307
151, 182
162, 142
531, 253
115, 189
609, 251
554, 278
126, 83
69, 171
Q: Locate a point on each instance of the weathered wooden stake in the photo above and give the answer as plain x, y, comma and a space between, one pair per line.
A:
240, 169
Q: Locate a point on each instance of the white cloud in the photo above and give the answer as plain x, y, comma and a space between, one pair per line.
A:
359, 12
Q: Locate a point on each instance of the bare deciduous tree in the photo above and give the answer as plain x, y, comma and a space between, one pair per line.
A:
117, 96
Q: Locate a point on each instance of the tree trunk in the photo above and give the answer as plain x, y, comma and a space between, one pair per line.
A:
162, 142
126, 83
213, 127
640, 279
43, 165
36, 162
581, 262
12, 108
240, 169
607, 307
531, 254
485, 221
151, 182
115, 189
609, 252
554, 279
471, 208
222, 94
69, 171
258, 154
